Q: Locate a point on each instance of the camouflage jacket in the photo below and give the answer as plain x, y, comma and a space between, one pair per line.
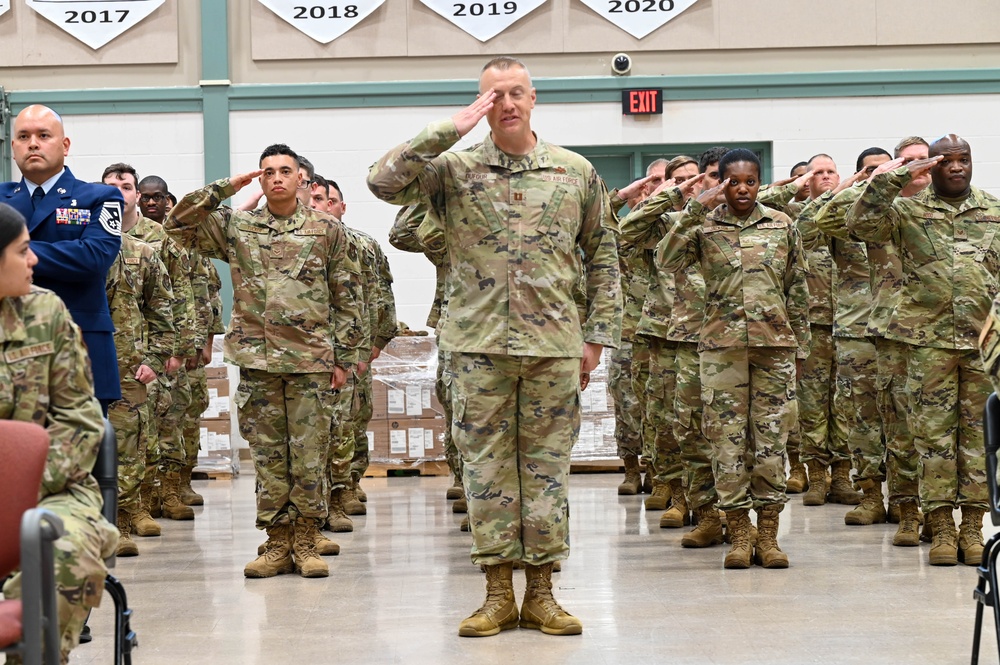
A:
369, 291
383, 315
203, 315
141, 304
819, 262
755, 276
403, 236
297, 305
214, 298
511, 229
989, 345
177, 261
45, 379
852, 292
950, 258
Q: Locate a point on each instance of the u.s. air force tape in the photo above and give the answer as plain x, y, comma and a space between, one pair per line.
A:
111, 218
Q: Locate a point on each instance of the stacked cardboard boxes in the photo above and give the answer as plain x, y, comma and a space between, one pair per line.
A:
597, 418
215, 453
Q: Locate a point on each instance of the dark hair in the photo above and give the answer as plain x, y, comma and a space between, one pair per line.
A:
154, 181
12, 225
278, 149
307, 165
738, 155
333, 184
868, 153
173, 199
321, 181
120, 169
711, 156
791, 172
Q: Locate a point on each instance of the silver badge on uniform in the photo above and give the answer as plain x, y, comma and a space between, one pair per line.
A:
111, 218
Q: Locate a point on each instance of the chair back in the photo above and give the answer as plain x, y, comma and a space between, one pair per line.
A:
24, 448
991, 434
106, 472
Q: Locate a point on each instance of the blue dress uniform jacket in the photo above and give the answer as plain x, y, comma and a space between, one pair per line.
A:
76, 233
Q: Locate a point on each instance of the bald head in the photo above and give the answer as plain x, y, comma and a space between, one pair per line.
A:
948, 143
39, 143
952, 176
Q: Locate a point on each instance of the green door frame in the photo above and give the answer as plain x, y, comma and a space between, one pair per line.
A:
5, 119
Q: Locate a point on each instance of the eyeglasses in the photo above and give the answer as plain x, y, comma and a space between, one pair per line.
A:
305, 184
155, 198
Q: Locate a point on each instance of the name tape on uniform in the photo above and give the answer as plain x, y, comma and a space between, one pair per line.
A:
483, 19
4, 6
325, 21
639, 17
95, 22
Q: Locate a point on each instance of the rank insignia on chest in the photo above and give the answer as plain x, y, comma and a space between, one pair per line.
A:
73, 216
961, 234
517, 197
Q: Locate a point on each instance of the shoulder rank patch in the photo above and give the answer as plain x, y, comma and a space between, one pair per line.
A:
25, 352
111, 217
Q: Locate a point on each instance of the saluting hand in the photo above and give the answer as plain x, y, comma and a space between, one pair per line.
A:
466, 119
921, 166
712, 197
240, 181
628, 192
687, 187
885, 167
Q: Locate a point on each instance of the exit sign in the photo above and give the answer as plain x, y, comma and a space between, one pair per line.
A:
642, 102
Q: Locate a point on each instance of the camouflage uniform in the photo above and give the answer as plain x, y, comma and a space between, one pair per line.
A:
45, 363
140, 299
628, 413
951, 262
512, 229
754, 328
296, 314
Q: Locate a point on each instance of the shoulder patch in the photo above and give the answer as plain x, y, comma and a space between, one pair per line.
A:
132, 260
26, 352
111, 217
715, 229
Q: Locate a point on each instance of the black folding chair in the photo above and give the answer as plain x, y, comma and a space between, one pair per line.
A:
986, 588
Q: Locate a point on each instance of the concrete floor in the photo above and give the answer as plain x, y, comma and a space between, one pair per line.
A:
404, 581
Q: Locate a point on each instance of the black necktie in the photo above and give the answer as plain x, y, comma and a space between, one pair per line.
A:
36, 197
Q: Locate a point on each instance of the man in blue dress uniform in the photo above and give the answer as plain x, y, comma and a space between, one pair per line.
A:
75, 229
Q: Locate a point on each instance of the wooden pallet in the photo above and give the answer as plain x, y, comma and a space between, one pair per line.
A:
408, 468
597, 466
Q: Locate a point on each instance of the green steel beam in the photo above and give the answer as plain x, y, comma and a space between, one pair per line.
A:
5, 120
111, 100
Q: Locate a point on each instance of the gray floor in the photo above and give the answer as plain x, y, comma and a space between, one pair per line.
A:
404, 581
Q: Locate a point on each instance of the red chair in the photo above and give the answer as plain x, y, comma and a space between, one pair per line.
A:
26, 537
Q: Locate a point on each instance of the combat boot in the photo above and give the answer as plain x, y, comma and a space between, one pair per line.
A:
352, 506
456, 491
659, 498
188, 496
142, 522
337, 517
841, 489
325, 546
871, 510
944, 541
970, 536
460, 506
908, 531
892, 514
173, 508
741, 546
307, 559
126, 546
709, 529
767, 553
499, 610
648, 478
152, 496
677, 515
633, 477
277, 556
360, 493
798, 481
540, 611
816, 496
465, 526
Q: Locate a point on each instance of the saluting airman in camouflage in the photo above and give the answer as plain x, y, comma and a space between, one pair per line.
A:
513, 213
295, 330
948, 240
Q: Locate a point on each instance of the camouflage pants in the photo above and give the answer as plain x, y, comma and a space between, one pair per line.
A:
948, 391
198, 392
361, 415
749, 402
443, 389
515, 420
628, 417
902, 461
660, 410
79, 560
169, 419
289, 420
822, 438
855, 406
696, 450
640, 377
130, 418
153, 400
341, 452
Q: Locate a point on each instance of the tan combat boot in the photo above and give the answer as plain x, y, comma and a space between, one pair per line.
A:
633, 477
142, 522
460, 506
841, 489
307, 559
648, 478
677, 514
741, 544
798, 481
277, 556
337, 517
456, 491
499, 610
540, 611
892, 514
358, 492
871, 510
126, 546
767, 553
659, 498
908, 531
970, 536
352, 506
944, 542
816, 496
173, 508
709, 529
154, 494
465, 526
188, 496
